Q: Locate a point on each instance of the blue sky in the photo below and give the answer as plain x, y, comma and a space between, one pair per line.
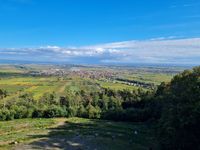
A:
101, 31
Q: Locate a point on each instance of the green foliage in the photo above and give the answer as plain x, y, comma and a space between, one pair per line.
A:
72, 111
54, 111
93, 112
83, 104
38, 113
179, 123
48, 99
3, 94
82, 112
21, 112
5, 114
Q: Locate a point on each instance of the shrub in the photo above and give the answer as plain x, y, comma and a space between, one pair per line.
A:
93, 112
82, 112
72, 111
38, 113
5, 114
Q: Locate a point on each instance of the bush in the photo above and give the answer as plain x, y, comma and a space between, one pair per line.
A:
5, 114
116, 115
132, 114
54, 111
38, 113
82, 112
93, 112
71, 111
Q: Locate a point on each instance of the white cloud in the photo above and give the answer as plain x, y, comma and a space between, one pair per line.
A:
157, 50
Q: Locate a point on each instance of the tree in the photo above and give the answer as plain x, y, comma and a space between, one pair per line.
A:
180, 119
114, 103
49, 99
93, 112
82, 112
3, 94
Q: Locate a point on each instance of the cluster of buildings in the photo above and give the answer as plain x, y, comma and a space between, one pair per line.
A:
93, 74
107, 76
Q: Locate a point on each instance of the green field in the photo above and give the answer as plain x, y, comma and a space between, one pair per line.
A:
40, 85
15, 81
116, 85
35, 85
155, 78
75, 133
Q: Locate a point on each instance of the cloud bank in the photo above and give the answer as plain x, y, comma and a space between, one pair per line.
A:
159, 50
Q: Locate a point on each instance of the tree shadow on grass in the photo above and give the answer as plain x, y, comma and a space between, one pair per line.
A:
66, 136
95, 134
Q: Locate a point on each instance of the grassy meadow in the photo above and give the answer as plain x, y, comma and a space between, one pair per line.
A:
75, 133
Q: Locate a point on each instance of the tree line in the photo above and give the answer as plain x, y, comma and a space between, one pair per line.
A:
119, 105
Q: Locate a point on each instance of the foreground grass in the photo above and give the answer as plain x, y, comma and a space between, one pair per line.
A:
74, 133
20, 130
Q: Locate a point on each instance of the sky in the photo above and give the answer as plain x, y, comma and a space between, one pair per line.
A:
100, 31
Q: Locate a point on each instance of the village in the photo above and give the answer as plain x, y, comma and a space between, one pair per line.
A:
101, 75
